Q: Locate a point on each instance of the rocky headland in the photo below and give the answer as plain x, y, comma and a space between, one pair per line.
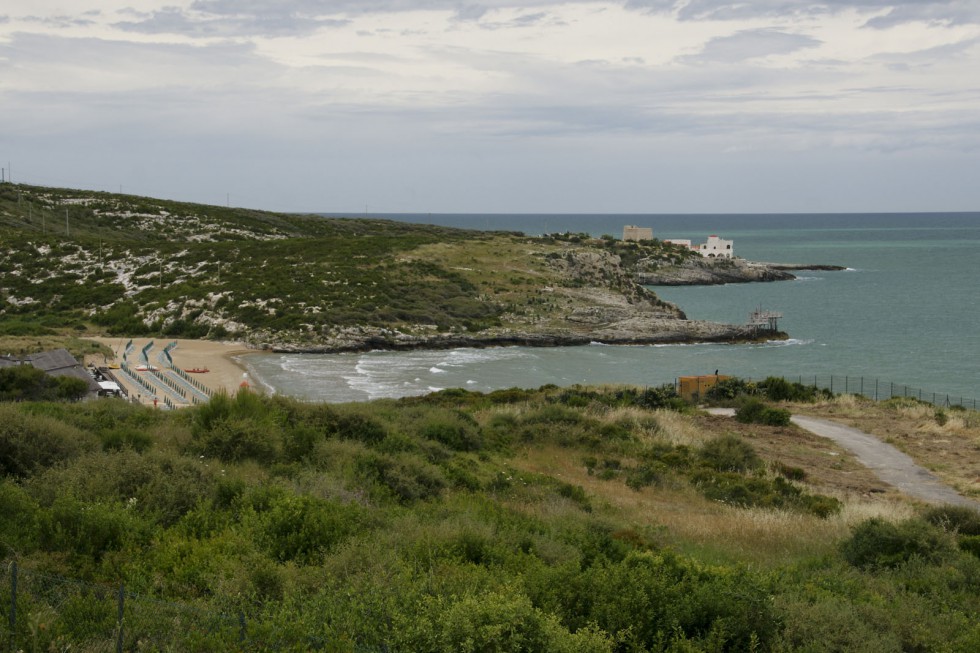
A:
591, 299
697, 271
140, 267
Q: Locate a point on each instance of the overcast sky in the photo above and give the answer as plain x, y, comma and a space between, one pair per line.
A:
497, 106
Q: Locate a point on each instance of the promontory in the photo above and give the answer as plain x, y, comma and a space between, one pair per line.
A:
101, 263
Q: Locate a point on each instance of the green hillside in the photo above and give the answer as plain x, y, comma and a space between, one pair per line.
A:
136, 266
575, 519
125, 265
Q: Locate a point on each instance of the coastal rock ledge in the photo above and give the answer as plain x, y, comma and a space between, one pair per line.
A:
647, 332
707, 272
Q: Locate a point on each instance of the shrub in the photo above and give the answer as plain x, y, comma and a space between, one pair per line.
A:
456, 430
879, 543
89, 529
664, 396
126, 437
645, 474
359, 427
27, 383
406, 479
240, 439
18, 520
576, 494
753, 411
970, 544
32, 442
779, 389
753, 491
301, 528
729, 453
959, 519
791, 472
659, 602
729, 389
493, 622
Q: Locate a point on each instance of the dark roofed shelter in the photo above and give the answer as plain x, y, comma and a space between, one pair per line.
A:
59, 362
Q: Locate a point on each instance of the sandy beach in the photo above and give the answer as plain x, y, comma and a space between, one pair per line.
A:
224, 373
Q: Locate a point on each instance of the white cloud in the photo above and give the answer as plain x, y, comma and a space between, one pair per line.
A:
375, 94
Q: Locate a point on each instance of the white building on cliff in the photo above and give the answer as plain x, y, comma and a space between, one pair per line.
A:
715, 247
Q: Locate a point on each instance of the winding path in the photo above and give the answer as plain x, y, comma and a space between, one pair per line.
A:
888, 463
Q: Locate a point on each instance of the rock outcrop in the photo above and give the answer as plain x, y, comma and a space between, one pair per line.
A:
705, 272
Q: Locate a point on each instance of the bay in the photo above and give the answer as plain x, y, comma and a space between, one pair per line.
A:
906, 310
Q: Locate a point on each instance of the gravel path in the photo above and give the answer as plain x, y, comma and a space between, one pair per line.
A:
888, 463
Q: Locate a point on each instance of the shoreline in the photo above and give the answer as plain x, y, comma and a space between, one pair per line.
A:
650, 331
225, 371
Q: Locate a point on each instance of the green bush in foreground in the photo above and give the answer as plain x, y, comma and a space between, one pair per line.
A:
753, 411
413, 525
878, 543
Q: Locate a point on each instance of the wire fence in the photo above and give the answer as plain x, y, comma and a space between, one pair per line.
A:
46, 612
879, 390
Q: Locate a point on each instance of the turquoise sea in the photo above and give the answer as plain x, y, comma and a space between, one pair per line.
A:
906, 310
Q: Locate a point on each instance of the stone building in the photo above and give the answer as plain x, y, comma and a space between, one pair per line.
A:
632, 232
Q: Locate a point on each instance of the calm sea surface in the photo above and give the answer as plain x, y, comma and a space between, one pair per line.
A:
906, 310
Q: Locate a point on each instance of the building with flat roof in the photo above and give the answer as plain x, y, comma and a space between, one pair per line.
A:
632, 232
716, 248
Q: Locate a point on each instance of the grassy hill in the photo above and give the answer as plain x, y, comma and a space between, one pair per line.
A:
559, 519
127, 265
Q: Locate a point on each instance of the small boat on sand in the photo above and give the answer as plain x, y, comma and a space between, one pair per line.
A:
197, 370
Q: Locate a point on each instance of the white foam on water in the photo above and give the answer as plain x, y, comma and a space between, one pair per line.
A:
436, 370
809, 279
792, 342
469, 356
471, 382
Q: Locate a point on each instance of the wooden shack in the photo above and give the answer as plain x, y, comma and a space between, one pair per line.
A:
692, 388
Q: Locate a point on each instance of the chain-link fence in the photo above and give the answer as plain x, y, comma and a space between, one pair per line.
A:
45, 612
879, 390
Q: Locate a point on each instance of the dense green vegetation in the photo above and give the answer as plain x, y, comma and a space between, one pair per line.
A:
26, 383
137, 266
421, 525
76, 260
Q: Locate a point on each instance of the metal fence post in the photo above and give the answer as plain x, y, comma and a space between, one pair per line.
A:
119, 618
241, 627
13, 605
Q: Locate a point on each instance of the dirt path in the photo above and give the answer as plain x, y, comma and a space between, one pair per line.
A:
888, 463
